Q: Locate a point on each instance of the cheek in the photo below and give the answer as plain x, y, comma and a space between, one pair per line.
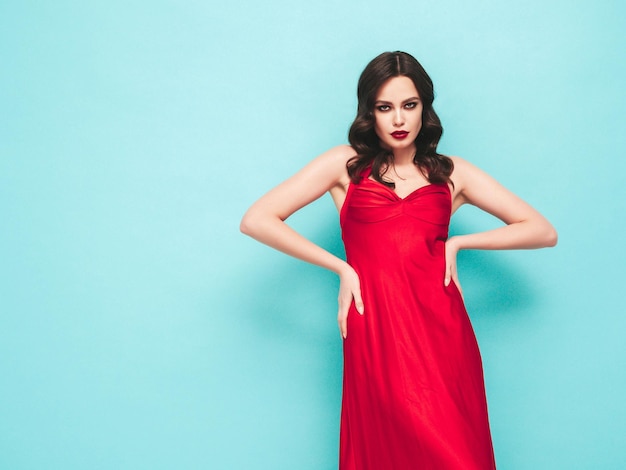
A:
418, 120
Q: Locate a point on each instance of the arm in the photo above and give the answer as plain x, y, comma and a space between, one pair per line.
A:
525, 227
265, 221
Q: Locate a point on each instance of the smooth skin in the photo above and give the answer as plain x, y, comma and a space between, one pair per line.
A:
397, 107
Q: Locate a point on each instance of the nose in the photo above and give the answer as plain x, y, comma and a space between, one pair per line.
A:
398, 117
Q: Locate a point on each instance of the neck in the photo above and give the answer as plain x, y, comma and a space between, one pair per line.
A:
403, 157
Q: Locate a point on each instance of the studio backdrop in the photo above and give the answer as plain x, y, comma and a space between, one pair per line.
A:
140, 330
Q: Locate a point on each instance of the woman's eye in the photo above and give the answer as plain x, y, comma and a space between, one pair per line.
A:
410, 105
383, 108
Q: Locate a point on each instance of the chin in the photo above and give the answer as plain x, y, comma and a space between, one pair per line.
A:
399, 145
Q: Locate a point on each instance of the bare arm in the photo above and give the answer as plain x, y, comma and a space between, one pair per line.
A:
525, 227
265, 221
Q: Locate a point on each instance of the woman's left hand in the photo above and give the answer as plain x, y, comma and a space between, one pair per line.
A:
451, 272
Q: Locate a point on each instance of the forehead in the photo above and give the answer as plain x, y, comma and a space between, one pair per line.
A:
397, 89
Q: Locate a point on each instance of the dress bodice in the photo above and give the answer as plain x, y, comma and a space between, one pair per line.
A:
379, 224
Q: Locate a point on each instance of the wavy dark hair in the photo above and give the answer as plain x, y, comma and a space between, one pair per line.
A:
436, 168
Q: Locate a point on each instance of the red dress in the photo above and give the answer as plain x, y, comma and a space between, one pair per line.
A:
413, 388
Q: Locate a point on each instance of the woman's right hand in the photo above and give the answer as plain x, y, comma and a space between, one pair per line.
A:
349, 290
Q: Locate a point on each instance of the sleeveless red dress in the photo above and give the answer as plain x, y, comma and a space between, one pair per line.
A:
413, 388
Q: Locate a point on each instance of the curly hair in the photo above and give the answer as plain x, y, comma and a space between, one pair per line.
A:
436, 168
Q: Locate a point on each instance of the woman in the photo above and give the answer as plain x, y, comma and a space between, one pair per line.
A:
413, 389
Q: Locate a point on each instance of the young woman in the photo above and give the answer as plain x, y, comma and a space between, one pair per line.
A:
413, 389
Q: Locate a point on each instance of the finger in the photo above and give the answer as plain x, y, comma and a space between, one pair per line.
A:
343, 326
358, 301
342, 317
448, 276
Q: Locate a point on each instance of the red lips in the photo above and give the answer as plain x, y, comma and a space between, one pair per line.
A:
399, 135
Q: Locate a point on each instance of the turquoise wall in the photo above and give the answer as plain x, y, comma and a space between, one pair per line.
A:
140, 330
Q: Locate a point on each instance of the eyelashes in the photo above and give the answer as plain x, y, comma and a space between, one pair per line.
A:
383, 108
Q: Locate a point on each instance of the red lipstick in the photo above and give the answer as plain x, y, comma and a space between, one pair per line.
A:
399, 135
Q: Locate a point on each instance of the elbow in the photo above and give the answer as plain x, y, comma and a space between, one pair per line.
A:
554, 238
253, 223
551, 237
246, 226
544, 234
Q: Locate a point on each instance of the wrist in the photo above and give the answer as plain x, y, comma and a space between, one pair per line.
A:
455, 243
343, 268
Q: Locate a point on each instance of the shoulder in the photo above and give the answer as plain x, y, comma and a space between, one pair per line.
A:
333, 163
465, 172
471, 184
460, 165
475, 186
338, 155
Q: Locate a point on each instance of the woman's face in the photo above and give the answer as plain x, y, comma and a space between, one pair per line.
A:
398, 113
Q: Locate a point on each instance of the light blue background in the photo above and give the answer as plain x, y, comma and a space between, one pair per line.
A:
140, 330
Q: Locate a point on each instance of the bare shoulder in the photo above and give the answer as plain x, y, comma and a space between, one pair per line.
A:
338, 156
342, 151
467, 176
326, 172
334, 161
476, 187
462, 169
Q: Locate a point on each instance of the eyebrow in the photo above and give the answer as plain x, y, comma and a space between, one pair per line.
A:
404, 102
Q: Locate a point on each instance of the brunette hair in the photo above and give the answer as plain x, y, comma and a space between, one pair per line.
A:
436, 168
